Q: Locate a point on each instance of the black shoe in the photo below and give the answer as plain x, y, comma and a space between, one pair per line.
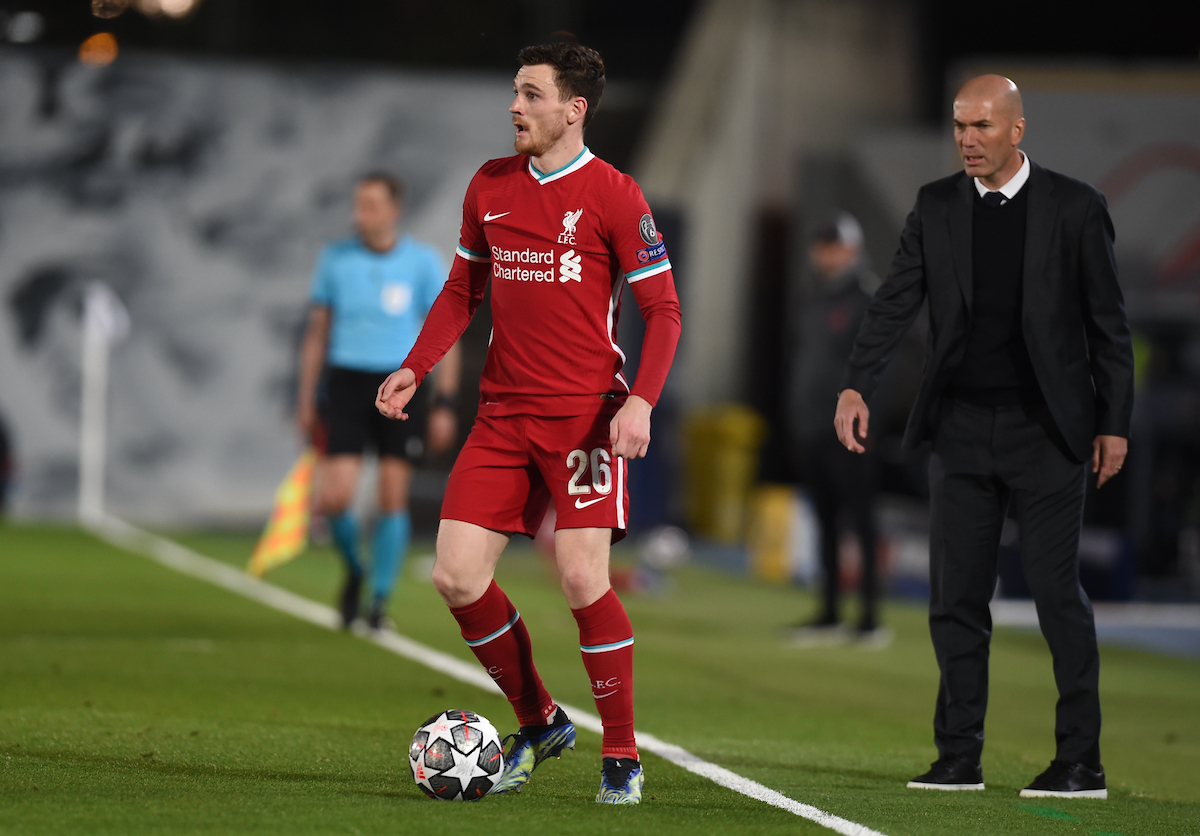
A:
823, 623
348, 603
950, 773
822, 632
1068, 780
875, 638
378, 619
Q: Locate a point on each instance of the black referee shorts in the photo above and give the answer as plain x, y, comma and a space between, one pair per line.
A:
354, 424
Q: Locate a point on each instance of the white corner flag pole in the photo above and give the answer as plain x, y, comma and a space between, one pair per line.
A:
105, 321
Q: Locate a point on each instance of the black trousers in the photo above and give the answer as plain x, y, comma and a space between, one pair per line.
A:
841, 481
985, 461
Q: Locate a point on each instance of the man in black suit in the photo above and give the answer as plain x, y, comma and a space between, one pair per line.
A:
1029, 376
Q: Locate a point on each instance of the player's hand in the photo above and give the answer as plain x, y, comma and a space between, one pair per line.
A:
629, 430
442, 430
1108, 455
851, 413
306, 420
395, 393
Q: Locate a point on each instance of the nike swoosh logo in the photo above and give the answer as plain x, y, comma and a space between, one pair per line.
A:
579, 503
490, 217
596, 696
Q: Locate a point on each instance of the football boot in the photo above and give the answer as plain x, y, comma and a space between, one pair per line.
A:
530, 746
621, 781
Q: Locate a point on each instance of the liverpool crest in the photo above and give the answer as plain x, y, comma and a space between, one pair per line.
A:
569, 221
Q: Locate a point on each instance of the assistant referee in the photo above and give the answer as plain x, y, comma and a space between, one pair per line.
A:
370, 294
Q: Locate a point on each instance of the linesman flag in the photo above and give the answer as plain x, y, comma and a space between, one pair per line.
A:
286, 533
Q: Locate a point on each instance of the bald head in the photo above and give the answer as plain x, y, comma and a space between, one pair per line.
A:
989, 123
999, 91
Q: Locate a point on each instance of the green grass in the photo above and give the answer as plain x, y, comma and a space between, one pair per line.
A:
137, 700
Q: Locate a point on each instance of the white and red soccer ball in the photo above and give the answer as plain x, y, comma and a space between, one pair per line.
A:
456, 756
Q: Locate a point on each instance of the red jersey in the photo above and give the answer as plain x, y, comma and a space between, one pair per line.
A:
558, 249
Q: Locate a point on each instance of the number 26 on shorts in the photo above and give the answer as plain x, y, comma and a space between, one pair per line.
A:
599, 462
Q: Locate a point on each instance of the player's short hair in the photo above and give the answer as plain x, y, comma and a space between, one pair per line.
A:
578, 71
390, 182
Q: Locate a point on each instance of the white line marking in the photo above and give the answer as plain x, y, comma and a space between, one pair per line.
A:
174, 556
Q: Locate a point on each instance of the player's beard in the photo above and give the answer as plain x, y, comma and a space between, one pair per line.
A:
541, 141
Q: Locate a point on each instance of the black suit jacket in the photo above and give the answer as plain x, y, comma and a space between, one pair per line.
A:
1073, 314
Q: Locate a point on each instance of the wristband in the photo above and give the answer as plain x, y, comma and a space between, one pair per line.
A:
444, 401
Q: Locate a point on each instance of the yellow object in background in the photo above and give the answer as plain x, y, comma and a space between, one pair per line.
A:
286, 533
721, 468
772, 532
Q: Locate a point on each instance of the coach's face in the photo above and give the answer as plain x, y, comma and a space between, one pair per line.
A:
539, 114
987, 132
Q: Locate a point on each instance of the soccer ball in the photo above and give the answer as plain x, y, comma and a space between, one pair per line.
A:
456, 755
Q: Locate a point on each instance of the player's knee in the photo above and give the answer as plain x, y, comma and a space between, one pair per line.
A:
583, 583
444, 582
456, 589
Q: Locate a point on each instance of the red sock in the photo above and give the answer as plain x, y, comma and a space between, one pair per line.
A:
498, 638
606, 639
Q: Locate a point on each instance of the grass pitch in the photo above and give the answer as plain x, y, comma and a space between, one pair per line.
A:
136, 700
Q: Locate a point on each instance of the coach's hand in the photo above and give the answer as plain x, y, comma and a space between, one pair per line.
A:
1108, 454
629, 430
851, 412
395, 393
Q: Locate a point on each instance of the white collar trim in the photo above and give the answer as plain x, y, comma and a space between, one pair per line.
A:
1009, 189
585, 156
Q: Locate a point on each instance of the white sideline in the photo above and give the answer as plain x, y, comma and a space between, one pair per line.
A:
174, 556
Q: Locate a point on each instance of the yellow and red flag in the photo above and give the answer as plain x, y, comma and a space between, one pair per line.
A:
286, 533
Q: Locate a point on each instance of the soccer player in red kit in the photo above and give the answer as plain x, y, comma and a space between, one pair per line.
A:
557, 232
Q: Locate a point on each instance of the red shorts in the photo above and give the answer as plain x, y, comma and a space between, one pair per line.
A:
512, 467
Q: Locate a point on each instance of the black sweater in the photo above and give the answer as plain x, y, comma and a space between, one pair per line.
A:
995, 368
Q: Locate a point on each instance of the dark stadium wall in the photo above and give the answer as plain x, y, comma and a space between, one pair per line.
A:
201, 192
